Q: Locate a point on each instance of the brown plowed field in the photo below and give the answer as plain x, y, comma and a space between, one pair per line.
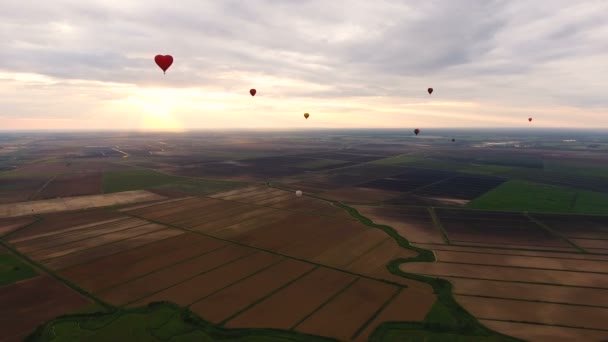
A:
415, 225
546, 313
329, 209
235, 230
33, 246
132, 208
509, 274
532, 292
545, 333
87, 255
574, 256
349, 249
9, 225
203, 285
407, 306
519, 246
151, 283
233, 219
197, 212
577, 226
138, 228
73, 184
27, 304
588, 243
225, 194
121, 267
251, 197
58, 221
66, 231
303, 297
271, 202
227, 302
161, 209
346, 313
523, 261
360, 195
217, 212
166, 213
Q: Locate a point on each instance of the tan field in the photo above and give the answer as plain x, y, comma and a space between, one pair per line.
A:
76, 203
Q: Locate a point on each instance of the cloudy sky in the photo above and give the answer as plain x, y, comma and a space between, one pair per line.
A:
89, 64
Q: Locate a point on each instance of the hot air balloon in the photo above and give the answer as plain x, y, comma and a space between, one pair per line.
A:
164, 62
453, 139
416, 131
529, 119
306, 115
299, 193
252, 92
430, 90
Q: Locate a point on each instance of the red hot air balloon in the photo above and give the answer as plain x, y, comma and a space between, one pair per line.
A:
430, 90
252, 92
416, 131
164, 62
529, 119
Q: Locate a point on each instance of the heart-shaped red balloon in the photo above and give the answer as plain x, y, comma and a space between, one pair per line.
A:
164, 62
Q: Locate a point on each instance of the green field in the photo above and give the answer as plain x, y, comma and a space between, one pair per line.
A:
12, 270
155, 322
527, 196
147, 179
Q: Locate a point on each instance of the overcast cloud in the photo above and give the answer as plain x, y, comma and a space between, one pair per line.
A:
69, 64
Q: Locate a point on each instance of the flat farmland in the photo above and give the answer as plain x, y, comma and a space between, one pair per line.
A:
543, 313
414, 224
359, 195
577, 226
9, 225
20, 187
76, 203
498, 228
24, 308
357, 175
531, 292
536, 332
72, 184
346, 313
411, 180
515, 274
465, 187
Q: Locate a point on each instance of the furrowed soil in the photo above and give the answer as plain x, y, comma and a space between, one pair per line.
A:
303, 297
23, 308
535, 332
346, 313
229, 301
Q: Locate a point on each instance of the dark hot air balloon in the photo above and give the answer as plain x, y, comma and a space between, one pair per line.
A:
306, 115
529, 119
453, 139
430, 90
164, 62
252, 92
416, 131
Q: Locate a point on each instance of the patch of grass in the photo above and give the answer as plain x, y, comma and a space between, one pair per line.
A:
159, 321
134, 180
147, 179
527, 196
12, 270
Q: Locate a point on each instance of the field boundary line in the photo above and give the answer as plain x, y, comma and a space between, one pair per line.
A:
39, 191
553, 232
516, 249
521, 255
105, 244
280, 254
272, 293
158, 269
239, 280
522, 267
541, 323
57, 277
366, 252
35, 251
438, 225
131, 249
190, 278
376, 314
325, 303
531, 300
512, 281
502, 244
37, 218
